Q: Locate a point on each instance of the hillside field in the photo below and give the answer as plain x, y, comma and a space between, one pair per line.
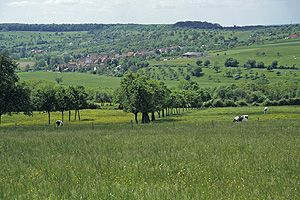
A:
199, 154
90, 81
168, 70
289, 54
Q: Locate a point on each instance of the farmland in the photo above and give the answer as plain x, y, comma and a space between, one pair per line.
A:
198, 154
286, 52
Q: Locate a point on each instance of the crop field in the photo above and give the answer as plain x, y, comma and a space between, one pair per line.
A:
199, 154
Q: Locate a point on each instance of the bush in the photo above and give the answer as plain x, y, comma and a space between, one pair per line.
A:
268, 102
255, 104
242, 103
231, 62
229, 103
283, 102
294, 101
207, 104
218, 103
93, 106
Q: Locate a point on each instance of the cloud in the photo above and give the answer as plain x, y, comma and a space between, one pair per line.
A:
162, 4
66, 2
49, 2
22, 3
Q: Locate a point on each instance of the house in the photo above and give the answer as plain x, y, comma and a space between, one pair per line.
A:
293, 36
192, 54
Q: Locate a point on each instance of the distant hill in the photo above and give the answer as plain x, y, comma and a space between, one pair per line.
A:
197, 24
51, 27
96, 27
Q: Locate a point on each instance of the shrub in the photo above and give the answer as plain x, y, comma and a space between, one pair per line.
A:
255, 104
207, 104
283, 102
229, 103
218, 103
294, 101
242, 103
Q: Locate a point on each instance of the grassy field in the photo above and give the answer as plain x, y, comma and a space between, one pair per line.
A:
90, 81
200, 154
108, 83
288, 54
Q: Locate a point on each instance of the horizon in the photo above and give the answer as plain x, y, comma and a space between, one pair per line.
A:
226, 13
132, 23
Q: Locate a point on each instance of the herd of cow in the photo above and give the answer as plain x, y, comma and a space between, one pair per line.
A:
240, 118
244, 118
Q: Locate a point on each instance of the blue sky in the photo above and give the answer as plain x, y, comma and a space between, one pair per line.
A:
225, 12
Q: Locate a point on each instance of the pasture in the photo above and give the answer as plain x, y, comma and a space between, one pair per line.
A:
199, 154
89, 81
288, 54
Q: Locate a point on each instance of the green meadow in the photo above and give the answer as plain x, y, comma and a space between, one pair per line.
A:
288, 54
90, 81
198, 154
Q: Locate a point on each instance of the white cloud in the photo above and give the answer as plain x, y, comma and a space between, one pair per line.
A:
22, 3
66, 2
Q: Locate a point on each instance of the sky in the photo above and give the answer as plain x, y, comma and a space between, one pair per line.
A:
224, 12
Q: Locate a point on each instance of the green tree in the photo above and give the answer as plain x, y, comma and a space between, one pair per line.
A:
274, 64
199, 62
44, 99
126, 95
231, 62
206, 63
79, 99
197, 72
13, 97
62, 100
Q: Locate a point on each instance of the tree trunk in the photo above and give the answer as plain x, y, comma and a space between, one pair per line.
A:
158, 112
152, 116
49, 120
163, 112
0, 119
69, 115
145, 118
136, 118
78, 115
75, 115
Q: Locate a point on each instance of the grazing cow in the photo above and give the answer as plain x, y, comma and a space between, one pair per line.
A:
59, 123
241, 118
266, 109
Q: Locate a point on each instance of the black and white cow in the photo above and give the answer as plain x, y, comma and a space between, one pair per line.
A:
59, 123
266, 109
241, 118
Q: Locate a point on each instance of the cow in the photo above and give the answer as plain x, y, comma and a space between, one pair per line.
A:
266, 109
59, 123
241, 118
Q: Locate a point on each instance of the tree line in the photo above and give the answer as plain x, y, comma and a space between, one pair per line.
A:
16, 97
251, 63
51, 27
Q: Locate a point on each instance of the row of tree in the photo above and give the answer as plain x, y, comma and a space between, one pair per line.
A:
16, 97
138, 94
49, 99
232, 62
